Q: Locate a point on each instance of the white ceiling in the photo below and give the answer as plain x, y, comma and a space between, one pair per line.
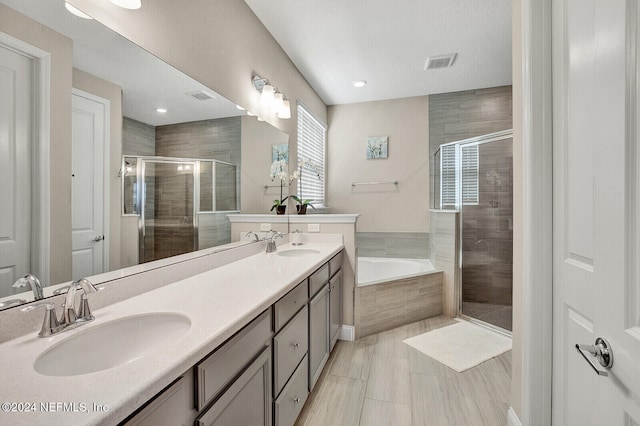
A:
386, 43
146, 81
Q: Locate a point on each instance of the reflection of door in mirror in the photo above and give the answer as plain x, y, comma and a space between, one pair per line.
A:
90, 141
16, 80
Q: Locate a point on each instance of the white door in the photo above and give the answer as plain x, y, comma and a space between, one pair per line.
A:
596, 212
90, 123
16, 74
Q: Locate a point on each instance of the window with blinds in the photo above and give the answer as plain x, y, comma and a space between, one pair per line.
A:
456, 164
311, 147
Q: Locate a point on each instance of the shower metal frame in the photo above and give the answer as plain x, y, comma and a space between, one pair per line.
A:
478, 140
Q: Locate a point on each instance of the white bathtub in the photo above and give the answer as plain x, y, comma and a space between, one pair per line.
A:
375, 270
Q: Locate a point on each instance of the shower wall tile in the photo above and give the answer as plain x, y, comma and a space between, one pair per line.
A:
462, 115
393, 244
207, 139
138, 138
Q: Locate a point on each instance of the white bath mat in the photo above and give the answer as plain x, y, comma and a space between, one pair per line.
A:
460, 346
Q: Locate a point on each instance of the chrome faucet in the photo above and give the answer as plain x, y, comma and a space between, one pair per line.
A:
255, 236
33, 282
70, 318
69, 313
271, 244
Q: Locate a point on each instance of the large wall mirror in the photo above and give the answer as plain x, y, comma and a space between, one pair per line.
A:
158, 161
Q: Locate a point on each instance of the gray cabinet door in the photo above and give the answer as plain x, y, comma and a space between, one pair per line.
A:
318, 334
247, 401
335, 308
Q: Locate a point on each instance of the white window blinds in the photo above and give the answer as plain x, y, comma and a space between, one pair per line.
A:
459, 167
311, 147
470, 174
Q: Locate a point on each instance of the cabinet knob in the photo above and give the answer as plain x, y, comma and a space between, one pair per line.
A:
296, 400
296, 344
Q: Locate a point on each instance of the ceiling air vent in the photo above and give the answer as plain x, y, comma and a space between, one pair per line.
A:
438, 62
201, 95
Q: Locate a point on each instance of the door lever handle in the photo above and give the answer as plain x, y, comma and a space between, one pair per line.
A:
98, 238
602, 351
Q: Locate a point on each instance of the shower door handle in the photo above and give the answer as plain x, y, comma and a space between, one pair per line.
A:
602, 351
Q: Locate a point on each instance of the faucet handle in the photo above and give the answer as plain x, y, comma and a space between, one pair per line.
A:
50, 324
84, 313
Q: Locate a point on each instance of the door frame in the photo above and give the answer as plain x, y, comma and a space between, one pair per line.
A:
106, 155
41, 131
535, 213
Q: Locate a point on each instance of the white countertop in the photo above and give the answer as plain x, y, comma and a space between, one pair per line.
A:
218, 302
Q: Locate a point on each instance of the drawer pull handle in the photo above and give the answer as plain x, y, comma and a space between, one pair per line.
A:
296, 400
296, 344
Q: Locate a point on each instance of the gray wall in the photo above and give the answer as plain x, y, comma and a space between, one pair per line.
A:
211, 139
138, 138
462, 115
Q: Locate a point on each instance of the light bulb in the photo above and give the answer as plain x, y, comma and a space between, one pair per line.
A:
277, 102
128, 4
76, 11
285, 111
267, 95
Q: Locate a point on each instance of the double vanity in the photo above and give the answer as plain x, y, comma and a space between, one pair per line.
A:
242, 343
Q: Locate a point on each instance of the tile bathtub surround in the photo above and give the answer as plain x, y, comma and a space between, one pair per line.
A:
408, 245
444, 255
384, 306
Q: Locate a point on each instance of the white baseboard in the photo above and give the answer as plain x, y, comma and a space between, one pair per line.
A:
347, 332
512, 418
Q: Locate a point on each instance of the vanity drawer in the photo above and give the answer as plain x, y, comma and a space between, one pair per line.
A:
292, 302
217, 370
335, 264
289, 347
318, 279
288, 405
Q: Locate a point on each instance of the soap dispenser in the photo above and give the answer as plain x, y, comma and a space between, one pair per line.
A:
296, 238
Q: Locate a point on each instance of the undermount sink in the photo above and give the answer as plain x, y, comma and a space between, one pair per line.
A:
297, 252
112, 344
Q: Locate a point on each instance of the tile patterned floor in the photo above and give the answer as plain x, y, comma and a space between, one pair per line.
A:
379, 380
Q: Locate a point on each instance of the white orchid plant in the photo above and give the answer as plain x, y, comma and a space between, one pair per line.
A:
305, 163
279, 171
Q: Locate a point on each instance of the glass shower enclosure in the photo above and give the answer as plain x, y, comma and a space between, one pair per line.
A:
475, 178
181, 203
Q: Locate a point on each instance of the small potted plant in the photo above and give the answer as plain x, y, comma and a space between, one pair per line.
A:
301, 207
303, 203
279, 171
279, 205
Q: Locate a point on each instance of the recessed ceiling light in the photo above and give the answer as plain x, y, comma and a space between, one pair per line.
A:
128, 4
161, 110
359, 83
76, 11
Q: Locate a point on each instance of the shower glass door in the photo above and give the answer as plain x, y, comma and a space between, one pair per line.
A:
485, 200
168, 221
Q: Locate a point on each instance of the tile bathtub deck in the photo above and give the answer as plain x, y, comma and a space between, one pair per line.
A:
379, 380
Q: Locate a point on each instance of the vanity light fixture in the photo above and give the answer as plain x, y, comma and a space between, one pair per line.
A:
271, 97
128, 4
285, 111
76, 11
359, 83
